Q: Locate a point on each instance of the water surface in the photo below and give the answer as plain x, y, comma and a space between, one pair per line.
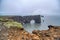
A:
47, 20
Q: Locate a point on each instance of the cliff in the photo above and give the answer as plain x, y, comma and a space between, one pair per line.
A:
12, 30
14, 33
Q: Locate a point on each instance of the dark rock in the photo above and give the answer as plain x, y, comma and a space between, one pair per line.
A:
50, 26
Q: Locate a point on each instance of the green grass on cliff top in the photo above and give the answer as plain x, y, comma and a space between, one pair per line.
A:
10, 23
13, 24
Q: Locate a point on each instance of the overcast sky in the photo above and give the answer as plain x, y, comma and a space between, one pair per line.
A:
29, 7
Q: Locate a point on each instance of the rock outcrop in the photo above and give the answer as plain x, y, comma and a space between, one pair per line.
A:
11, 30
21, 34
14, 33
53, 33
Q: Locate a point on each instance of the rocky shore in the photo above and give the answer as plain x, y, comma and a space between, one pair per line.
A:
13, 33
53, 33
11, 30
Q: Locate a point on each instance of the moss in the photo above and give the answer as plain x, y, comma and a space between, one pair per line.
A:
10, 23
13, 24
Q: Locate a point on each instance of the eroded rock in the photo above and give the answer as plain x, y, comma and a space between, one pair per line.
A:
50, 34
19, 33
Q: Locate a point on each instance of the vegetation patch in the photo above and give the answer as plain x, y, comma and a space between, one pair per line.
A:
10, 23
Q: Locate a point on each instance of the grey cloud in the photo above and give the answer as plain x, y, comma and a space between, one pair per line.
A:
28, 7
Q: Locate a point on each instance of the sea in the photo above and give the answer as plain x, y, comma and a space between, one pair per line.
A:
45, 21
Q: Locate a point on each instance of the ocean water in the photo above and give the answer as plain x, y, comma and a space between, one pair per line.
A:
45, 21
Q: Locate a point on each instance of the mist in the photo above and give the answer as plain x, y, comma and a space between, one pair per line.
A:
30, 7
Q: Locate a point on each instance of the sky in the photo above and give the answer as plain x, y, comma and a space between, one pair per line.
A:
30, 7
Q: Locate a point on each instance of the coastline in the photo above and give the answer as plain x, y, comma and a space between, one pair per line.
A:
53, 33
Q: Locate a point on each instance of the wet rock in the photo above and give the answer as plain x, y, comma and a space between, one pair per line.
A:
50, 26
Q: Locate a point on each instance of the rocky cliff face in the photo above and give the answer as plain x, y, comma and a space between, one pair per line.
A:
21, 34
16, 32
53, 33
3, 32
